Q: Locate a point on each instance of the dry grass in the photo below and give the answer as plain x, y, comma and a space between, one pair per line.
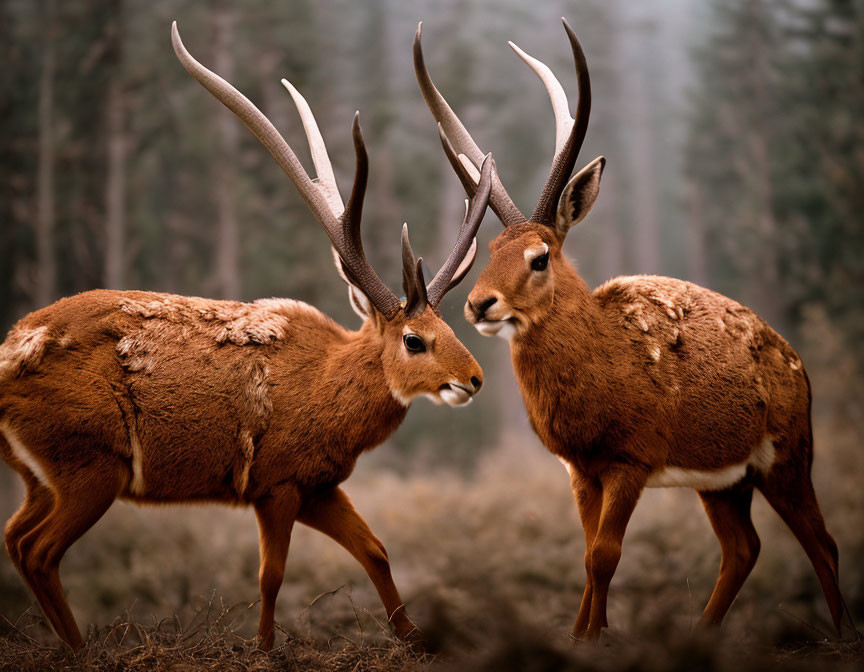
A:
490, 567
209, 642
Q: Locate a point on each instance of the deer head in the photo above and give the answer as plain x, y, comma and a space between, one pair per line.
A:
517, 287
420, 354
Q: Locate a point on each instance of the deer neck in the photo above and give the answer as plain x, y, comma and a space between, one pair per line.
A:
563, 364
361, 392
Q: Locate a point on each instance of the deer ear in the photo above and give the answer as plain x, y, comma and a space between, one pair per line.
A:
359, 301
579, 196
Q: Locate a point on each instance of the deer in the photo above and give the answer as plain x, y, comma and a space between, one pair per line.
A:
643, 382
165, 399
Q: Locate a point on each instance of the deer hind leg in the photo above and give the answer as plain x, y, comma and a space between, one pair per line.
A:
589, 499
791, 495
622, 486
729, 513
78, 503
36, 506
276, 514
333, 514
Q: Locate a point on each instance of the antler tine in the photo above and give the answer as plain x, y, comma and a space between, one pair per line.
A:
260, 126
499, 200
341, 225
412, 278
560, 107
351, 242
466, 240
461, 164
565, 155
323, 167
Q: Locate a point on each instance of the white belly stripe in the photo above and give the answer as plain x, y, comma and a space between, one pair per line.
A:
761, 458
23, 455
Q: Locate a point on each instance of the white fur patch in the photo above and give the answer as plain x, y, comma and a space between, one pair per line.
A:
136, 487
406, 400
501, 328
22, 349
676, 477
761, 458
455, 395
533, 252
23, 455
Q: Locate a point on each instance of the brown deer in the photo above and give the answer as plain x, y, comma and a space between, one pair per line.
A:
646, 381
161, 398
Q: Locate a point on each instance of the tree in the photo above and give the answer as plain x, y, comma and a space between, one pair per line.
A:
115, 182
46, 274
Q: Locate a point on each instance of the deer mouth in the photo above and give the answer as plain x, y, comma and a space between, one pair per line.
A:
505, 328
455, 394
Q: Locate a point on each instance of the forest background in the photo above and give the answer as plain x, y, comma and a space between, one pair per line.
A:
735, 146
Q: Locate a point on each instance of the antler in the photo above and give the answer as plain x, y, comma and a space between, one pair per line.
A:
341, 224
462, 257
569, 133
464, 154
464, 144
412, 278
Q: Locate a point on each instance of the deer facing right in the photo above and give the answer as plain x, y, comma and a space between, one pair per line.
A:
643, 382
158, 398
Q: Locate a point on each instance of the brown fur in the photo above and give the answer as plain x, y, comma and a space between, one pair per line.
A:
646, 373
646, 381
162, 398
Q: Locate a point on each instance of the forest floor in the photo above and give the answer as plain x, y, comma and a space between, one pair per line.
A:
213, 644
489, 565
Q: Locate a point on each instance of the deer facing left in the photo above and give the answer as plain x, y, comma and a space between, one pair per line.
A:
161, 398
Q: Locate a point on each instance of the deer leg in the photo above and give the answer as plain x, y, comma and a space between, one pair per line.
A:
36, 506
276, 514
622, 486
333, 514
589, 499
793, 498
729, 513
78, 504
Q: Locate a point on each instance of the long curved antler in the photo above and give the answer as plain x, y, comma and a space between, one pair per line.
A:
465, 155
341, 224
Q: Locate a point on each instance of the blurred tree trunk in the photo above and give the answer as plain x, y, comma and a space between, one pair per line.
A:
642, 155
227, 274
697, 258
115, 184
768, 294
609, 217
46, 274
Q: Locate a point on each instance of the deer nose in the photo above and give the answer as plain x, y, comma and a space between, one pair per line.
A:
477, 383
480, 308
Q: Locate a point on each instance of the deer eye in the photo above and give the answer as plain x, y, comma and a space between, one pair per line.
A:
540, 263
413, 343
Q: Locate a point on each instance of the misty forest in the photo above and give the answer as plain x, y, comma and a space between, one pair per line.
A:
734, 141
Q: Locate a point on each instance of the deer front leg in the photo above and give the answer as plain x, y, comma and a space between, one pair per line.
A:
276, 514
589, 498
333, 514
622, 485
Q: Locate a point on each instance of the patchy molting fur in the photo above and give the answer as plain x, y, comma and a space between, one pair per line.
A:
657, 382
611, 374
644, 378
201, 399
163, 398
